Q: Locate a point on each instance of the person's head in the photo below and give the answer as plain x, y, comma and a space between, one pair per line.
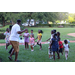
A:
52, 32
65, 41
40, 31
55, 35
31, 36
31, 31
26, 30
19, 21
7, 29
58, 33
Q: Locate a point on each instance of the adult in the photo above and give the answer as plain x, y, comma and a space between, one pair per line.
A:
14, 39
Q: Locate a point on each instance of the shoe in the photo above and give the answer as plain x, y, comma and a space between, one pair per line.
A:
10, 58
32, 50
18, 61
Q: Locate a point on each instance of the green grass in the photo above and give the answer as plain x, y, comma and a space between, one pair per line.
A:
47, 33
37, 55
41, 56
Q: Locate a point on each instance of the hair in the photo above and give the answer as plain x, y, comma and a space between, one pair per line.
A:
58, 33
7, 29
65, 41
41, 31
18, 21
31, 30
54, 31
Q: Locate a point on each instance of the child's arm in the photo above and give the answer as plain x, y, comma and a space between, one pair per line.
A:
24, 35
36, 38
28, 35
30, 41
48, 39
68, 46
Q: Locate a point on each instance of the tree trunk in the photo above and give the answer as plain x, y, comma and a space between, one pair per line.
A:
29, 22
3, 21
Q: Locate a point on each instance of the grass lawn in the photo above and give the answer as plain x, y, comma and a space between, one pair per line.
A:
41, 56
37, 55
47, 33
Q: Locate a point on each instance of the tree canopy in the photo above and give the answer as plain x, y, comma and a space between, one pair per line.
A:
41, 16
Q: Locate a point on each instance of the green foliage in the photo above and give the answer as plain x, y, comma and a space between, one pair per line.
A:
2, 36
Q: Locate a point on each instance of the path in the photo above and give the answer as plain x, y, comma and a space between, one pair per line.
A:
3, 44
71, 34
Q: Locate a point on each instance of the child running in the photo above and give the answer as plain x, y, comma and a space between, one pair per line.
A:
7, 34
32, 42
39, 38
26, 39
66, 48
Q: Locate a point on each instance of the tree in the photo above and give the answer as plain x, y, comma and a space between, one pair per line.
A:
62, 15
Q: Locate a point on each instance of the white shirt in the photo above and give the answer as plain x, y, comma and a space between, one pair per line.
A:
14, 35
66, 47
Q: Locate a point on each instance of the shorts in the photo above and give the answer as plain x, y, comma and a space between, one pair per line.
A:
32, 44
60, 50
15, 45
39, 42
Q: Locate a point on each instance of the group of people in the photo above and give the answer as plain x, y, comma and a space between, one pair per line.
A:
12, 37
55, 45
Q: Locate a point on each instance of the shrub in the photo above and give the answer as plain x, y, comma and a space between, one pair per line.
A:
2, 36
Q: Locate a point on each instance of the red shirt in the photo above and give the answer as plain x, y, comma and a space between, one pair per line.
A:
60, 44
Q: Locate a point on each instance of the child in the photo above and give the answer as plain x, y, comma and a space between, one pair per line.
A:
33, 36
31, 42
54, 46
60, 46
50, 51
66, 48
26, 39
7, 34
39, 38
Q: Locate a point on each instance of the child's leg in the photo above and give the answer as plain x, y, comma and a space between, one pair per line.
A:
27, 45
54, 55
31, 47
66, 55
58, 55
40, 46
7, 44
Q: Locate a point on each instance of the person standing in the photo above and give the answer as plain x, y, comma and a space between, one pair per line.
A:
14, 39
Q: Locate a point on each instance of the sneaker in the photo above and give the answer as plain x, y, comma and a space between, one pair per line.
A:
10, 58
32, 50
